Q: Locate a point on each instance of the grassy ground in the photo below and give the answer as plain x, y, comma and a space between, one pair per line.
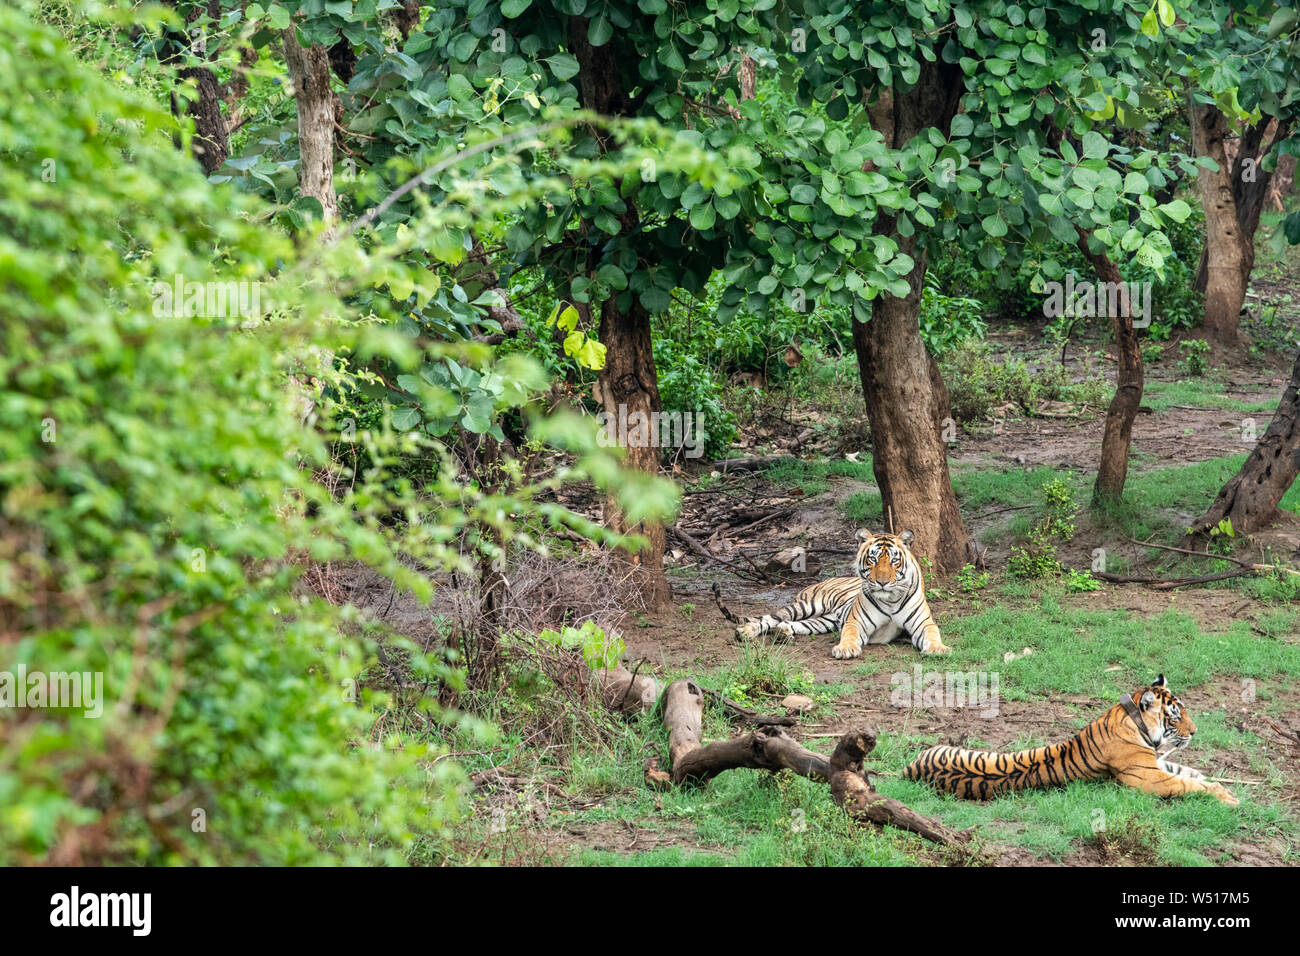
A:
1229, 674
569, 779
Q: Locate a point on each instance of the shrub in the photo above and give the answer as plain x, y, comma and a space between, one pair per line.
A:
687, 385
1197, 360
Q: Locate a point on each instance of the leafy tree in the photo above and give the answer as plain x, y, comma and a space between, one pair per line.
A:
1244, 75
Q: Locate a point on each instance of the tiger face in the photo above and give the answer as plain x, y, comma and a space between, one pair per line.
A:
1166, 719
884, 562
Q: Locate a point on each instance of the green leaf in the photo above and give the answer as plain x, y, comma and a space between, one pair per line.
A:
563, 65
1095, 146
405, 417
512, 8
1283, 21
600, 30
612, 276
592, 355
1292, 228
703, 216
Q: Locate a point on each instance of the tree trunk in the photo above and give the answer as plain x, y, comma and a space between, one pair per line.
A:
211, 143
1233, 196
907, 403
309, 70
748, 77
628, 378
629, 387
1250, 499
907, 415
1117, 438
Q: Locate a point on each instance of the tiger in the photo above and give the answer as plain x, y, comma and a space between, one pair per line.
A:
885, 598
1121, 743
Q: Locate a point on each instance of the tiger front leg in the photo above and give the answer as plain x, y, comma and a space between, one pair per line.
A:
924, 632
850, 644
929, 641
1162, 783
861, 620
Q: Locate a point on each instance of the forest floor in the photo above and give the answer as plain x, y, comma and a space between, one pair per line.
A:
1231, 652
1060, 651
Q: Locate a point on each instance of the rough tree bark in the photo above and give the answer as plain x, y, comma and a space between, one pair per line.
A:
628, 378
309, 71
211, 143
906, 402
628, 385
1250, 498
1117, 437
748, 77
1232, 196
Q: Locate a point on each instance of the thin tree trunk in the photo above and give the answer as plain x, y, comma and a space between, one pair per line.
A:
211, 143
1117, 438
1250, 498
309, 70
629, 388
1233, 197
748, 77
907, 403
628, 383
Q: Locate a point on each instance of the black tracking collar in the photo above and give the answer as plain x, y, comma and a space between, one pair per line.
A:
1135, 715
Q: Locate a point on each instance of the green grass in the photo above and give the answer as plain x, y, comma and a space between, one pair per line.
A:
812, 476
1074, 649
978, 488
1201, 392
863, 508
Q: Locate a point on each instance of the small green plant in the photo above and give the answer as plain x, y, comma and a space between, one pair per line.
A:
688, 386
946, 321
1197, 360
687, 611
598, 649
970, 579
1152, 352
1058, 520
1080, 581
1038, 558
1221, 537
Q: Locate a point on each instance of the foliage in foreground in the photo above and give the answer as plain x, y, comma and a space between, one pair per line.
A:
158, 501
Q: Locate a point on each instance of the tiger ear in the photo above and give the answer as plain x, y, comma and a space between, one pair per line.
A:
1148, 699
1159, 681
906, 537
863, 534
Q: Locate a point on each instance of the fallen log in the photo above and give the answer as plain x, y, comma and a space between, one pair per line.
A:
627, 692
771, 748
851, 789
725, 465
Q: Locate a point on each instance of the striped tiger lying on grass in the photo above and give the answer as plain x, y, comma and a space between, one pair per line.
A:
1121, 743
886, 598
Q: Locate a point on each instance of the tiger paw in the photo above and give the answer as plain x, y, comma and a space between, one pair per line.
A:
748, 629
846, 649
938, 647
1223, 793
785, 631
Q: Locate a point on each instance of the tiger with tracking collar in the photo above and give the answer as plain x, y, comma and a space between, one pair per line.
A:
1121, 743
885, 598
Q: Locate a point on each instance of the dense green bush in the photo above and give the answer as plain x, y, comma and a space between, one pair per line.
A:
150, 496
159, 501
